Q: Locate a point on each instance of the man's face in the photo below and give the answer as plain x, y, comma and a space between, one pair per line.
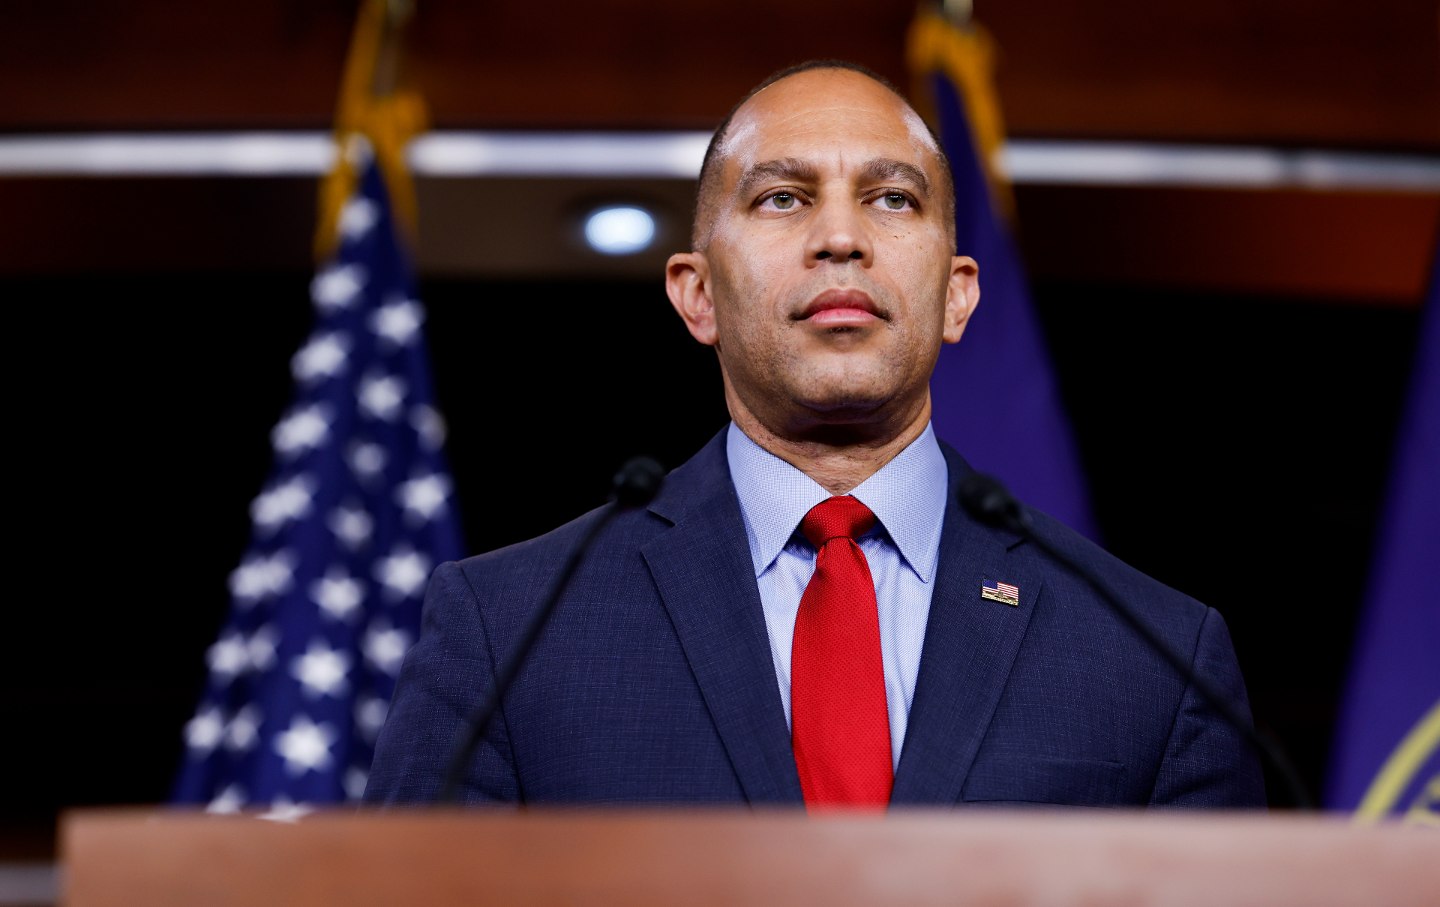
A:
828, 281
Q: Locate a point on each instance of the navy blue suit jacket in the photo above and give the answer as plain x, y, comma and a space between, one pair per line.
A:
653, 682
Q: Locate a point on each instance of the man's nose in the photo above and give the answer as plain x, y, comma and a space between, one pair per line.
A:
839, 233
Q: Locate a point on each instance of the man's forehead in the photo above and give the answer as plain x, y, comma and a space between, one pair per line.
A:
816, 100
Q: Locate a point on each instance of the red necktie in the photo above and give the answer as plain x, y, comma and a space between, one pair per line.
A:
839, 725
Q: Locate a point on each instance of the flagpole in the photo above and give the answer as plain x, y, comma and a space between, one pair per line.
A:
389, 56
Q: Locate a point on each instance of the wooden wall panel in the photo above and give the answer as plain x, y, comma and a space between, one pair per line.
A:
1292, 72
167, 64
1307, 72
1354, 246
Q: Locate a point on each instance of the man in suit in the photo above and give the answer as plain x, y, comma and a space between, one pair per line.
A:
805, 614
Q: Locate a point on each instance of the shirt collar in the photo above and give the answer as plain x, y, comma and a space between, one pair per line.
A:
907, 496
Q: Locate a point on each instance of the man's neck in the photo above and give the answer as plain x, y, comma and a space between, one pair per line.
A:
838, 458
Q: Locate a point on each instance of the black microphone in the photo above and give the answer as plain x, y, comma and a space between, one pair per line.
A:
635, 485
987, 500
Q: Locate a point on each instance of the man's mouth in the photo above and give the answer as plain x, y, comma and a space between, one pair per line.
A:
841, 308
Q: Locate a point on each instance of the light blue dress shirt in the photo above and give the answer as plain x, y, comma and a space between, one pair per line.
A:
907, 496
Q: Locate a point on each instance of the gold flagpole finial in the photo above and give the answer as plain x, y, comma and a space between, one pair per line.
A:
958, 11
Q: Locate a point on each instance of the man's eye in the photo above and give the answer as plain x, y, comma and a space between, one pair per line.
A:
782, 201
895, 201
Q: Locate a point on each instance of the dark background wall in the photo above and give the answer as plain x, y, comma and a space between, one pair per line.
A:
1236, 449
1233, 360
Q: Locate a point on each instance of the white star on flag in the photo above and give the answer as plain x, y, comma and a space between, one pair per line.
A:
354, 782
380, 396
302, 430
385, 647
260, 576
243, 730
305, 745
289, 501
321, 670
205, 730
228, 657
338, 593
228, 801
429, 425
337, 286
403, 572
323, 357
285, 811
367, 460
370, 712
261, 647
352, 525
397, 321
424, 497
358, 217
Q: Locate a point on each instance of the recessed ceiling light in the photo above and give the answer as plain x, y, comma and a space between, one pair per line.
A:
619, 229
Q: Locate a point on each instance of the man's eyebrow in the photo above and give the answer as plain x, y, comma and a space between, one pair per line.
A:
884, 170
787, 169
791, 169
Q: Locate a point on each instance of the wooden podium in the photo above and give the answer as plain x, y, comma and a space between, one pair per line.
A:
644, 857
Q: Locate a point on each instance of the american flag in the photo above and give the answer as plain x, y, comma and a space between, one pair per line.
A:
357, 513
999, 591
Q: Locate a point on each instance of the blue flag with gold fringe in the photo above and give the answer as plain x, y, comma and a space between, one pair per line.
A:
995, 392
1386, 759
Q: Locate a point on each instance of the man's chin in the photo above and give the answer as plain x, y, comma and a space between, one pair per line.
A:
847, 410
848, 416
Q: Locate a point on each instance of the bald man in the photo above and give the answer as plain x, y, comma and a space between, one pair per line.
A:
805, 614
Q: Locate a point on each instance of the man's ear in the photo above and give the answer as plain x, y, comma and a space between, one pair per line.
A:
687, 282
961, 296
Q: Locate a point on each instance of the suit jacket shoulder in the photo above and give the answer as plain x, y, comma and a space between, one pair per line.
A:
1057, 699
652, 681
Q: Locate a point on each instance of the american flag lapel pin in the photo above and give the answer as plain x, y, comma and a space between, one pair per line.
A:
1004, 593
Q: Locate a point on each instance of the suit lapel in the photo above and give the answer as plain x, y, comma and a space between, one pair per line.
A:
970, 646
705, 577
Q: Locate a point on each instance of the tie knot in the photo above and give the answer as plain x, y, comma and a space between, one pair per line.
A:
837, 517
